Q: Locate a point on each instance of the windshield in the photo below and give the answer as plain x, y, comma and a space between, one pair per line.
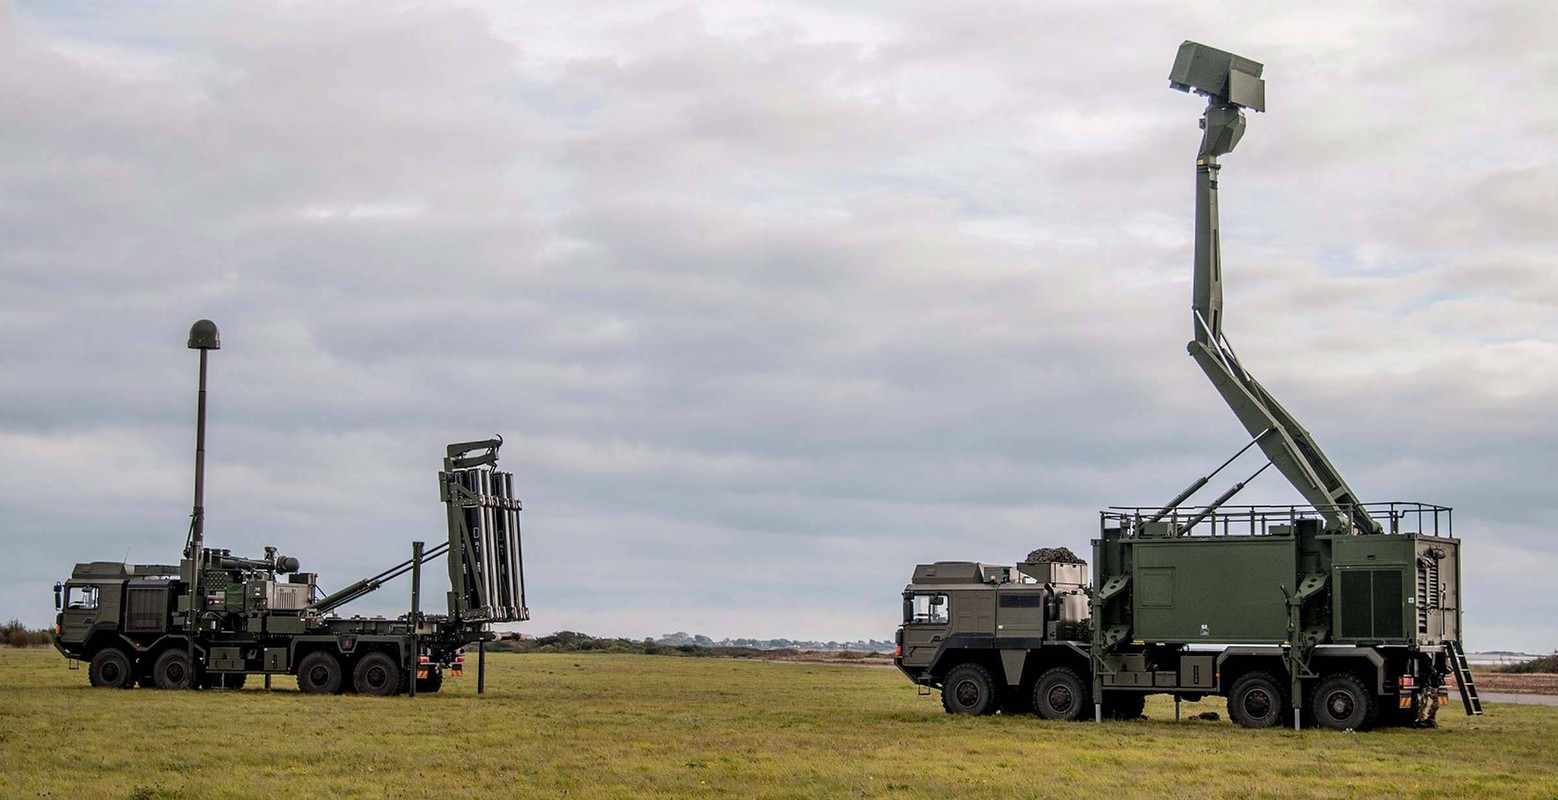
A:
81, 598
925, 608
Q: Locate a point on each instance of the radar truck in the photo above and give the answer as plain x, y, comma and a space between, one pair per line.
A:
1341, 613
215, 618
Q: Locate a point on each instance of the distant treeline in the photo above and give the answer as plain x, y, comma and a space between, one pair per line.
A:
575, 642
1545, 664
861, 645
15, 634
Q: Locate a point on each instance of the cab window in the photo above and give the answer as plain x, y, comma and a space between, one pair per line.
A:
81, 598
926, 608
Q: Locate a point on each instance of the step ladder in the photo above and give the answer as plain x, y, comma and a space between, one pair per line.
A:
1462, 671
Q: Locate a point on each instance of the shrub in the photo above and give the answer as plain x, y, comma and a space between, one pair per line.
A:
1544, 664
15, 634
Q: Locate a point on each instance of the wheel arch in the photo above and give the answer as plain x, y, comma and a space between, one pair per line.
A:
1057, 654
146, 656
965, 649
1365, 663
1234, 663
102, 636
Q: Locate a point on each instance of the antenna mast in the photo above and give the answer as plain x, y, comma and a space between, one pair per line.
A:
1231, 84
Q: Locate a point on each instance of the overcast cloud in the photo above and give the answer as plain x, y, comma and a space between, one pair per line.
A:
770, 301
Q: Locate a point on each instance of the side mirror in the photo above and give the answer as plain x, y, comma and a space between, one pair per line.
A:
938, 600
59, 596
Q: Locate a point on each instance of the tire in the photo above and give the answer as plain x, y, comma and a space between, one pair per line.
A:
1015, 701
1393, 716
1342, 702
1256, 701
319, 673
969, 689
377, 674
174, 671
226, 680
432, 683
1061, 694
110, 669
1124, 706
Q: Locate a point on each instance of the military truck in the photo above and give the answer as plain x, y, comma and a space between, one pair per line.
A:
1344, 613
1259, 604
216, 618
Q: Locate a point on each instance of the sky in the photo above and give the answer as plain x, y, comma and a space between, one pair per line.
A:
769, 301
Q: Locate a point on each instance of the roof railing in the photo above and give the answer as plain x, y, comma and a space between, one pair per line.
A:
1395, 518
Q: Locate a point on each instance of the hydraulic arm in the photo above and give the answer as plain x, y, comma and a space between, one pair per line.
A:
1231, 84
340, 598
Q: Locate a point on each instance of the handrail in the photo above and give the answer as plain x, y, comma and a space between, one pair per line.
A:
1398, 517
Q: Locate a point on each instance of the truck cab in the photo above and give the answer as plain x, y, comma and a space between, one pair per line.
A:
970, 629
88, 605
108, 605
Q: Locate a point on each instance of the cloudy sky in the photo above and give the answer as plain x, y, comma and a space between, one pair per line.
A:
770, 301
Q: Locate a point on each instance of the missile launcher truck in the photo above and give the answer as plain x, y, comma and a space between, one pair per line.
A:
1340, 613
216, 618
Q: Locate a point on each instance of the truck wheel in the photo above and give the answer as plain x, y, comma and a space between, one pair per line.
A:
173, 670
1342, 702
378, 675
111, 668
1060, 694
432, 683
968, 689
1256, 701
319, 673
1124, 705
227, 680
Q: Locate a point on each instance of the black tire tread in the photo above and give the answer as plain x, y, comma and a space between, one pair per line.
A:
1049, 681
1368, 703
172, 655
1124, 706
432, 683
333, 683
228, 680
366, 663
111, 657
1236, 707
977, 673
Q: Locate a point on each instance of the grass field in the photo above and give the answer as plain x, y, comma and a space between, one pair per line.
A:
586, 726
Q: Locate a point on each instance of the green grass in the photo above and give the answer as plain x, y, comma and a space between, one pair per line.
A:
585, 726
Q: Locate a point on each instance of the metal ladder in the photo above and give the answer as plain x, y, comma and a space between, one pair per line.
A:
1462, 670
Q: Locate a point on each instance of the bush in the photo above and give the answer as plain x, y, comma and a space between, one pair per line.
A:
1545, 664
15, 634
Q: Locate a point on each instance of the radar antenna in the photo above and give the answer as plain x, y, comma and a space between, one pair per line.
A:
1231, 84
